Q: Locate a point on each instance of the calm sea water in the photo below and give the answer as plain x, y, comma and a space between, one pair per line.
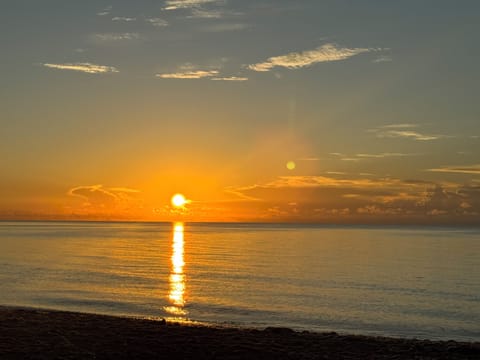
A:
411, 282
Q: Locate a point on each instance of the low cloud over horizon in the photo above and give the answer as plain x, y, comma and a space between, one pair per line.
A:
323, 198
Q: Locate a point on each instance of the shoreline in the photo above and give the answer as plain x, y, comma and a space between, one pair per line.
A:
30, 333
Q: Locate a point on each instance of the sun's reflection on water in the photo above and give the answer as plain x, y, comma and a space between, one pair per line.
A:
176, 294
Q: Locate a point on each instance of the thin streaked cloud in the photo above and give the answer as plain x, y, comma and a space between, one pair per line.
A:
466, 169
296, 60
201, 13
88, 192
123, 18
383, 155
225, 27
157, 22
193, 74
399, 126
382, 59
344, 157
409, 135
106, 11
404, 131
231, 78
112, 37
205, 14
83, 67
185, 4
309, 159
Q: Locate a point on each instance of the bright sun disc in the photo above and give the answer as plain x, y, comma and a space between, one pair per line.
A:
178, 200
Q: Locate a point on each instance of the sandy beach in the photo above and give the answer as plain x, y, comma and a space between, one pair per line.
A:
46, 334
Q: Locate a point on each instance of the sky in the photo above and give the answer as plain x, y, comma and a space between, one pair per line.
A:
323, 111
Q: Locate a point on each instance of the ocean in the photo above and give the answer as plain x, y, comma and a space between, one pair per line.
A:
415, 282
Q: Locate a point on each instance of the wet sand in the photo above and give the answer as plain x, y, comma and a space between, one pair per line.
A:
42, 334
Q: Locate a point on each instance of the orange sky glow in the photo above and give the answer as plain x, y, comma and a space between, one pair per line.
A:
268, 112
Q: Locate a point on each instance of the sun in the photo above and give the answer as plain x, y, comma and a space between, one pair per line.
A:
178, 200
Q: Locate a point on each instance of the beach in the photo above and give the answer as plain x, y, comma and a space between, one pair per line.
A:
48, 334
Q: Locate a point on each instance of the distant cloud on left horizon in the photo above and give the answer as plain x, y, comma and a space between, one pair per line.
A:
88, 68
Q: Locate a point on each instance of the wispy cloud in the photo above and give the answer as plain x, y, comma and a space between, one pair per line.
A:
90, 192
106, 37
206, 71
344, 157
466, 169
225, 27
295, 60
309, 159
185, 4
157, 22
231, 78
408, 134
193, 74
83, 67
350, 159
106, 11
399, 126
383, 155
206, 14
404, 131
101, 201
363, 156
382, 59
123, 18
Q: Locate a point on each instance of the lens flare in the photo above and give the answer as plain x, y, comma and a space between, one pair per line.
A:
291, 165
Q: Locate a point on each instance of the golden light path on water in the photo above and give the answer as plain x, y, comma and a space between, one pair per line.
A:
176, 295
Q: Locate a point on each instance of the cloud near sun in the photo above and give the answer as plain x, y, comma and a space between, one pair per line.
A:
295, 60
98, 200
93, 193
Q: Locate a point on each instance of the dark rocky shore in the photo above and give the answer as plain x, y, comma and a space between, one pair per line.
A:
40, 334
